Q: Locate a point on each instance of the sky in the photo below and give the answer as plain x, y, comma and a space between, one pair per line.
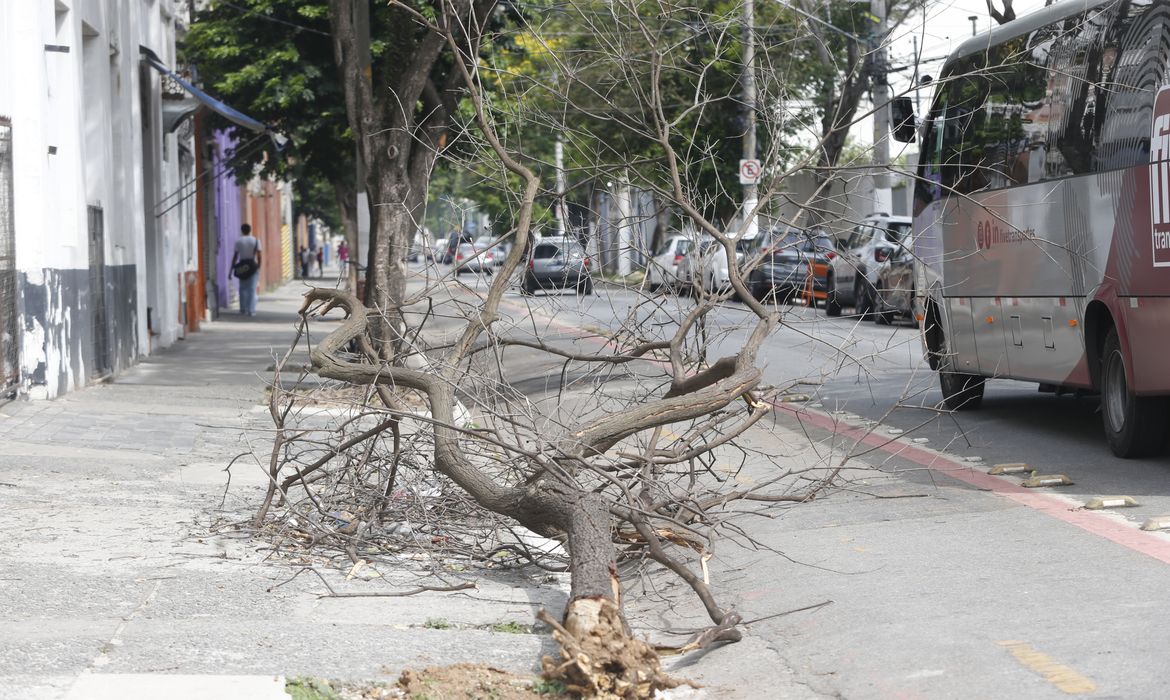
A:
942, 26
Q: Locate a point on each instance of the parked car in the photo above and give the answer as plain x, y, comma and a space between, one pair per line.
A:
866, 252
663, 267
557, 264
454, 240
795, 262
692, 260
894, 289
716, 272
706, 265
471, 258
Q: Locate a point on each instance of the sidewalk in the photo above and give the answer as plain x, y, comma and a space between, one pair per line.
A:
105, 568
111, 587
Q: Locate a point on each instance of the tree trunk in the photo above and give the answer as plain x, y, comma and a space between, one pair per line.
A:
840, 110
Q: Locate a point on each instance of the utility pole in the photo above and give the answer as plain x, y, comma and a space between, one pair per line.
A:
750, 196
361, 247
625, 239
560, 156
883, 197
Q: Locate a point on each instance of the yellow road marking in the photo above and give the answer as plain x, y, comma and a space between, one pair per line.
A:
1064, 678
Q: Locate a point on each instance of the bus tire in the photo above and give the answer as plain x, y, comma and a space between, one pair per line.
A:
961, 392
1135, 426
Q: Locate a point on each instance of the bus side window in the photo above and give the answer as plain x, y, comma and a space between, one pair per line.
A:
964, 154
1014, 129
926, 183
1076, 60
1136, 70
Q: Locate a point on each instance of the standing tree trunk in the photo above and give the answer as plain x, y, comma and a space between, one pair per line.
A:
399, 109
839, 109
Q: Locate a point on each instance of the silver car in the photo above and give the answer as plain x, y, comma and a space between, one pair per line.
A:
557, 264
470, 258
894, 291
854, 275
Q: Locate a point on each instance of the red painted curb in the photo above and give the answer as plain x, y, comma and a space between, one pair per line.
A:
1146, 543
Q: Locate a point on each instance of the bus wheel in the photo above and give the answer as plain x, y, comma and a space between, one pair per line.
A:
961, 392
1134, 426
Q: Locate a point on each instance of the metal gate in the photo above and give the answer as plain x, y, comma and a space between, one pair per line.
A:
9, 328
97, 291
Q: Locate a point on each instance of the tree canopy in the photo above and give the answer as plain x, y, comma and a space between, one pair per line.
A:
273, 59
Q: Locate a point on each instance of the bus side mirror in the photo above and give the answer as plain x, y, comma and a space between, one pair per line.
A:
902, 119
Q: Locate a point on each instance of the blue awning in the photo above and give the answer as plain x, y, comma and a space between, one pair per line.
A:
233, 115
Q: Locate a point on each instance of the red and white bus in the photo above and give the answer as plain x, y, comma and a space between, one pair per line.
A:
1042, 213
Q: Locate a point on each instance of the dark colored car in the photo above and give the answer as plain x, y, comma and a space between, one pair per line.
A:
557, 264
792, 262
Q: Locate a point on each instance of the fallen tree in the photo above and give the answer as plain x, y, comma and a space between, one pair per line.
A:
624, 474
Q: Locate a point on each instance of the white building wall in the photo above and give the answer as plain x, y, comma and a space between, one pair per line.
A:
70, 81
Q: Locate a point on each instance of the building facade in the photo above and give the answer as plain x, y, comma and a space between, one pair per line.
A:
111, 237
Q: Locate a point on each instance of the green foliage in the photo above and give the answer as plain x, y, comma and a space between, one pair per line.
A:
593, 72
510, 627
273, 60
310, 689
437, 623
547, 687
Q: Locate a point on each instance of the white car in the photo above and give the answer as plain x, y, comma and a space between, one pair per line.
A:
716, 273
692, 261
707, 265
662, 268
853, 275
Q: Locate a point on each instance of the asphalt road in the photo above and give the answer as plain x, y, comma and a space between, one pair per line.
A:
878, 373
943, 582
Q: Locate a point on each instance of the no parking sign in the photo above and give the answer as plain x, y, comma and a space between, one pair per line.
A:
749, 171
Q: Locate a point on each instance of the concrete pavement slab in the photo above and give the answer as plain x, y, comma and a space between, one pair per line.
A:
113, 569
134, 686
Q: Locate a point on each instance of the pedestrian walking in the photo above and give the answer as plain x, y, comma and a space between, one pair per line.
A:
343, 254
320, 262
305, 257
246, 268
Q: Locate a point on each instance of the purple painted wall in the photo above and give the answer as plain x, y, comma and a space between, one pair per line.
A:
227, 216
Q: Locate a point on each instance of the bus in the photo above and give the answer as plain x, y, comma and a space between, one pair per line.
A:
1042, 213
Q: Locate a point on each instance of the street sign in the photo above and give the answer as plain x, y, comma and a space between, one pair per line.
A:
749, 171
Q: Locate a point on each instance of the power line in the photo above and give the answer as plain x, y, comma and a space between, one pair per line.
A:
277, 20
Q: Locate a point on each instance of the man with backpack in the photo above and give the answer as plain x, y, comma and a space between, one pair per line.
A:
246, 268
